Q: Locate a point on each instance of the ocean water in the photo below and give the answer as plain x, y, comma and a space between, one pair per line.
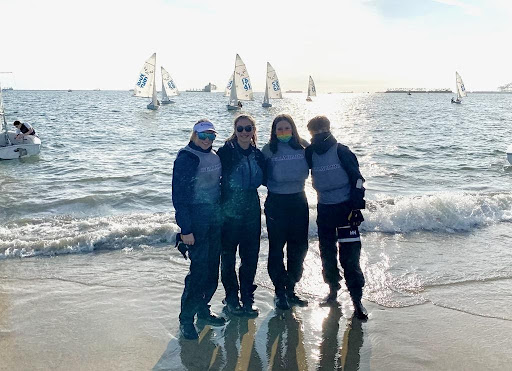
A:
438, 225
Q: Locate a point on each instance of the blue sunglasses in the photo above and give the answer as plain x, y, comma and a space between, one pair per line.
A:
203, 136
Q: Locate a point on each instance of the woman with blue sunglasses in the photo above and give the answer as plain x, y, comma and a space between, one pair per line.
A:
242, 173
195, 195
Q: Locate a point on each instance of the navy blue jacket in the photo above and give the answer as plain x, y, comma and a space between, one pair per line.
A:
239, 199
183, 182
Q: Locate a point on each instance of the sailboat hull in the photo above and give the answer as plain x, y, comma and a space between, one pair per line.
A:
167, 101
18, 148
266, 105
232, 108
153, 107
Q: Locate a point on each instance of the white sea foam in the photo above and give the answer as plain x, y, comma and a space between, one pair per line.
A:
443, 212
65, 234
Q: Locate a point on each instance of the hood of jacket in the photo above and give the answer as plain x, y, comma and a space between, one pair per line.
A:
320, 143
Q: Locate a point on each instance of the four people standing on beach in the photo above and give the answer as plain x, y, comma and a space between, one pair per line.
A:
218, 210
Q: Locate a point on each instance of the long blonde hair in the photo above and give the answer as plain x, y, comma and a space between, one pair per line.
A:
254, 138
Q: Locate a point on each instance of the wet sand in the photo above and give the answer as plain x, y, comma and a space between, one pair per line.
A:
53, 316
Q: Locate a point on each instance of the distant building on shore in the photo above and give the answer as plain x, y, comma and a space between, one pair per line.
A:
207, 89
507, 88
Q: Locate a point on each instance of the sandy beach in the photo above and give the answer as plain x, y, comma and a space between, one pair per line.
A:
81, 312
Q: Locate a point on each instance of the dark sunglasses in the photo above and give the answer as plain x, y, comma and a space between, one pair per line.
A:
241, 128
203, 136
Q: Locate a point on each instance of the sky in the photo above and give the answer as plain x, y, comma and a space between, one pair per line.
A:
345, 45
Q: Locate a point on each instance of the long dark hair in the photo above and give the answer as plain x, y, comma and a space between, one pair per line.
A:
295, 141
254, 138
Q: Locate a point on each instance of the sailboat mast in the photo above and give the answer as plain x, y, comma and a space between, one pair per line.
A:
265, 98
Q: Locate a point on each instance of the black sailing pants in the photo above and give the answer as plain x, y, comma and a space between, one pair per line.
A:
244, 233
202, 280
287, 223
328, 219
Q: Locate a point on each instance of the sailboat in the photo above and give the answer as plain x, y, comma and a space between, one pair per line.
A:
146, 86
10, 147
241, 89
168, 87
272, 87
461, 89
311, 89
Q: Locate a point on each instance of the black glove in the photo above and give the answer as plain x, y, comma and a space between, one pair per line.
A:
355, 218
181, 246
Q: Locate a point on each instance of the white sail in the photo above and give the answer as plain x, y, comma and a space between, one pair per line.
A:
273, 89
461, 89
233, 98
311, 88
241, 81
265, 97
146, 81
168, 86
165, 97
227, 92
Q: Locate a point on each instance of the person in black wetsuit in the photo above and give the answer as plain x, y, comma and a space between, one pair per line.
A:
23, 129
339, 185
242, 173
195, 195
286, 209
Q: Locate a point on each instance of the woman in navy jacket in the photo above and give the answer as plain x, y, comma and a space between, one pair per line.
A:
242, 173
195, 195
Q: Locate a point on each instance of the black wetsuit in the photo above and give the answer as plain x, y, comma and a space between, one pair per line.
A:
242, 174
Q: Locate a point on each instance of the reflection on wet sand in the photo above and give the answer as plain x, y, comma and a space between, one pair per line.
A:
238, 352
276, 343
334, 357
285, 343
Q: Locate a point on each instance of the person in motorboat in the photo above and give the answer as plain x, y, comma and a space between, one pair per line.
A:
339, 184
23, 129
243, 167
195, 195
287, 171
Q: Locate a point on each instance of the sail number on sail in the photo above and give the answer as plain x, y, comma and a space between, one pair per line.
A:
275, 85
143, 79
246, 83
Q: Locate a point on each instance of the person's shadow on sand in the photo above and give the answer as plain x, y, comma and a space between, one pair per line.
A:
285, 343
334, 357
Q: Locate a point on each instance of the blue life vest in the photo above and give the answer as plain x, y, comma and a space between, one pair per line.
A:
287, 170
329, 178
207, 179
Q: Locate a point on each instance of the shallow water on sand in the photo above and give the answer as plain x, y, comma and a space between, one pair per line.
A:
86, 252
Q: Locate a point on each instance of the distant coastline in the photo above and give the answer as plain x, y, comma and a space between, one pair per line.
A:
418, 90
